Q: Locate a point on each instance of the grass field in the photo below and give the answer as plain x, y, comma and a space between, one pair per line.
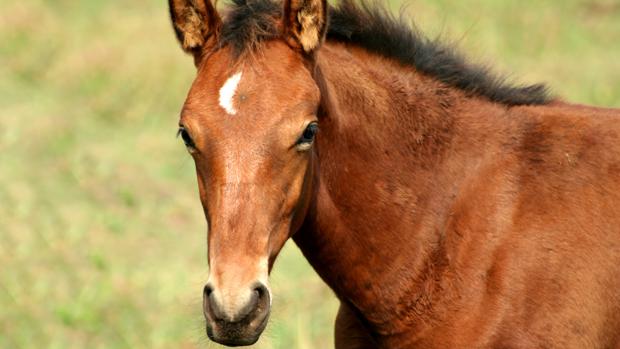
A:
102, 238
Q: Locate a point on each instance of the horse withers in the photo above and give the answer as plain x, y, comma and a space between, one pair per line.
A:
444, 207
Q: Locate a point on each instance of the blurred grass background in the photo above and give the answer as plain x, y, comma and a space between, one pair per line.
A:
102, 238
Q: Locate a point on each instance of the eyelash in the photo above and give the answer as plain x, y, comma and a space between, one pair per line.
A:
187, 139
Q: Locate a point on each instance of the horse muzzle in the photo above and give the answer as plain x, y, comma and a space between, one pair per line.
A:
236, 318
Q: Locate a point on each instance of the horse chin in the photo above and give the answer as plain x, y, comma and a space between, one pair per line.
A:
237, 334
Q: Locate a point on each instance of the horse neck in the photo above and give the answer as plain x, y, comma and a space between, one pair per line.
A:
387, 172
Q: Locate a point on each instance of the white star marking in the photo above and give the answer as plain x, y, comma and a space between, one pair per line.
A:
227, 93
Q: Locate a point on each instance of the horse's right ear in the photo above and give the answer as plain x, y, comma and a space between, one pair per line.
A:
196, 23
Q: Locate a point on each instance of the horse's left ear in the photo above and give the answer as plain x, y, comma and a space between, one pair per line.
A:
305, 22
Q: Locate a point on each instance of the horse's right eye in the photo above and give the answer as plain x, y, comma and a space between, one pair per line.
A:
187, 139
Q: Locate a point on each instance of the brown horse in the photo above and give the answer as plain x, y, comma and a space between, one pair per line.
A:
445, 208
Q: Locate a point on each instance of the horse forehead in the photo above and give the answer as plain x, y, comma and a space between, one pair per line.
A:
227, 93
258, 88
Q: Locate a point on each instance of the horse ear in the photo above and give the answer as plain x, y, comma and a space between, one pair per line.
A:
195, 23
305, 23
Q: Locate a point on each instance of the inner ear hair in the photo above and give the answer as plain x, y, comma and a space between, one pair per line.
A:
194, 22
305, 22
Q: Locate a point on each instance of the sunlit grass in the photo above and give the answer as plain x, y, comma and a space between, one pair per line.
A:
101, 231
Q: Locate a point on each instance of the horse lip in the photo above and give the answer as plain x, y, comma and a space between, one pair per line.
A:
236, 342
239, 335
263, 322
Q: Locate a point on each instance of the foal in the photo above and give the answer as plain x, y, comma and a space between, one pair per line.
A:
445, 208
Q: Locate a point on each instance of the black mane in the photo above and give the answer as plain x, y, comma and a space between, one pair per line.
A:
374, 28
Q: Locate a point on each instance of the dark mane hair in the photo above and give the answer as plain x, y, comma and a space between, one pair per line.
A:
369, 25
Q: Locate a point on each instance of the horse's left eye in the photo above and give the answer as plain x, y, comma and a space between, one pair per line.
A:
187, 139
308, 136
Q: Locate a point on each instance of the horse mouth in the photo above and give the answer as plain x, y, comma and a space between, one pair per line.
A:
236, 334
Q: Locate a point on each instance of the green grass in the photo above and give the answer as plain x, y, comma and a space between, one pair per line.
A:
102, 238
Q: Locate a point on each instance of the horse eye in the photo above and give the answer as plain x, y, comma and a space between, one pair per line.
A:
186, 137
304, 142
309, 133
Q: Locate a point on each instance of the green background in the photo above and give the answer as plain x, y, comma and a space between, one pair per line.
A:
102, 237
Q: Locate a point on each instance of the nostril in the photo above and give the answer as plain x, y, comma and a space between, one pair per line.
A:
261, 293
260, 290
237, 307
210, 306
208, 290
